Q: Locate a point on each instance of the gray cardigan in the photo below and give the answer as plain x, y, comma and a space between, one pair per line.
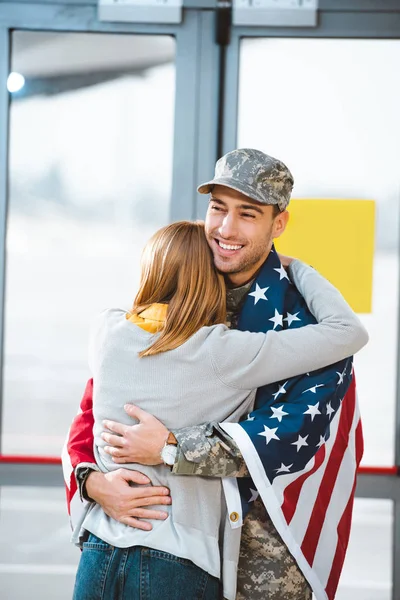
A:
211, 377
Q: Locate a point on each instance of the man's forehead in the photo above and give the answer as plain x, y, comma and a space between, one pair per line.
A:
230, 196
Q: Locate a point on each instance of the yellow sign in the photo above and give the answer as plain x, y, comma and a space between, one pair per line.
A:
337, 238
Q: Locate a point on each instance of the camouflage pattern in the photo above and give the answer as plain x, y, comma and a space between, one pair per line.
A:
208, 451
260, 177
266, 568
235, 298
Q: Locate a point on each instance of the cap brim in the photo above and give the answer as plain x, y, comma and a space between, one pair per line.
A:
206, 188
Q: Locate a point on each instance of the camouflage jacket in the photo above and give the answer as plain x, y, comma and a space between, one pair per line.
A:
266, 568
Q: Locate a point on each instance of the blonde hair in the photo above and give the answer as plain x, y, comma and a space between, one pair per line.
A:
177, 267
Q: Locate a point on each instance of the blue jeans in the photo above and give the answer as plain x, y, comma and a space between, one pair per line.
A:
138, 573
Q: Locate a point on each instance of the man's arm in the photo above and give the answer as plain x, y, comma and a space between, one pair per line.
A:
111, 490
208, 451
204, 450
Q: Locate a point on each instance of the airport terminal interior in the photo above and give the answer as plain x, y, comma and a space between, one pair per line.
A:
112, 112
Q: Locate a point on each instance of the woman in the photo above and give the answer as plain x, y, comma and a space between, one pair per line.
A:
172, 356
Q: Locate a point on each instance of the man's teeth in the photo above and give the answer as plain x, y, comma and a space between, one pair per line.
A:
229, 246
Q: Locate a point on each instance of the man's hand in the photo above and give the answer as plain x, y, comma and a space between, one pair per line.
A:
285, 260
141, 443
125, 503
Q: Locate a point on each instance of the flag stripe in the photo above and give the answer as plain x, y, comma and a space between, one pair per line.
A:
310, 542
344, 526
311, 487
269, 499
327, 543
292, 492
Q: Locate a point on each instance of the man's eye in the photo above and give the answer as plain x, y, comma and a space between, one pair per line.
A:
248, 215
214, 207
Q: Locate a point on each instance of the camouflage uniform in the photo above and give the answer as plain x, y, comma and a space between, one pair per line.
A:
266, 568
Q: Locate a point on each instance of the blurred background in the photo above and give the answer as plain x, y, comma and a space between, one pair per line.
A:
106, 129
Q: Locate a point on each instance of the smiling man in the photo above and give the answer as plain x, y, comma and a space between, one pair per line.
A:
247, 211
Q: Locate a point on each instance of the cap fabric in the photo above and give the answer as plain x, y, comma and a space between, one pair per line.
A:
260, 177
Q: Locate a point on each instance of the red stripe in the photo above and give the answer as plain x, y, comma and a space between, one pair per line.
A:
55, 460
311, 538
344, 526
293, 490
36, 460
365, 470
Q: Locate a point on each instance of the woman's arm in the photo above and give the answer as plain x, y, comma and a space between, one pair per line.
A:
112, 491
247, 360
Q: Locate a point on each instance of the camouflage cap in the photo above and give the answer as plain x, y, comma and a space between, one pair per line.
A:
260, 177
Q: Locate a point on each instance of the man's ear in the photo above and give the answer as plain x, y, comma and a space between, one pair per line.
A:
280, 223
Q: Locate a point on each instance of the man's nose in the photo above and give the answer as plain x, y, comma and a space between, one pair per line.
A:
228, 227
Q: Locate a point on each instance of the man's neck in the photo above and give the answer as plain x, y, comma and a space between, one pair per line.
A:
235, 280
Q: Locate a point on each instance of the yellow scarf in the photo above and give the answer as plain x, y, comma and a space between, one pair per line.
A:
152, 319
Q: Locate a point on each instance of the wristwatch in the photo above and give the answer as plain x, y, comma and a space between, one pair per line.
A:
82, 473
168, 453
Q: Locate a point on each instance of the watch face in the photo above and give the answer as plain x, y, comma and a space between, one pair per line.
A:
168, 454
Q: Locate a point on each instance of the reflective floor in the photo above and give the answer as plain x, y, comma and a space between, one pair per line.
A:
39, 563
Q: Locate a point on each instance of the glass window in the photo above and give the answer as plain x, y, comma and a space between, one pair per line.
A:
37, 555
90, 171
329, 110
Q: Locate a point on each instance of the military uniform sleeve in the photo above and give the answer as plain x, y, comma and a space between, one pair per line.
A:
208, 451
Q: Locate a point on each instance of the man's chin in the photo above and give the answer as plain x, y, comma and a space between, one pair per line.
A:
228, 268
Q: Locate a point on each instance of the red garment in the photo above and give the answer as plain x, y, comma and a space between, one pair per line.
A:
79, 446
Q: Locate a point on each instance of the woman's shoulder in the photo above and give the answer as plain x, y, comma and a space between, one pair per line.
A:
109, 318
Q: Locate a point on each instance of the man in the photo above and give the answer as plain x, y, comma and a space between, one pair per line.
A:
247, 211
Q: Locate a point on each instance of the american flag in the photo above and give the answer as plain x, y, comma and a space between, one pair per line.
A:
302, 443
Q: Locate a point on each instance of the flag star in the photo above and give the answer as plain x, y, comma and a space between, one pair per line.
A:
269, 434
312, 410
302, 441
284, 468
254, 495
290, 318
329, 409
341, 376
282, 273
250, 418
314, 388
321, 442
259, 294
276, 319
278, 413
280, 391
